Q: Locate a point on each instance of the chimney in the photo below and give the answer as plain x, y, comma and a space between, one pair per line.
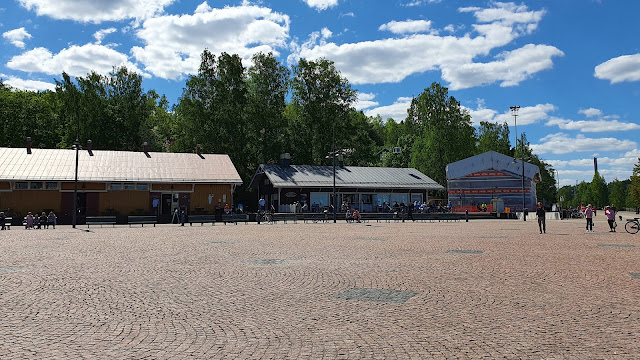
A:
285, 159
28, 145
90, 147
198, 149
145, 147
595, 164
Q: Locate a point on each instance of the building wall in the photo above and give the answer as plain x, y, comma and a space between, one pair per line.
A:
200, 197
171, 187
124, 202
83, 186
22, 201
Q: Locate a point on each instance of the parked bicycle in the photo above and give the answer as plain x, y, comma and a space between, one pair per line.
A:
632, 226
267, 217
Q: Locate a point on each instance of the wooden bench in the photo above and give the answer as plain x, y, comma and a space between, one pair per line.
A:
235, 218
285, 217
7, 223
424, 217
449, 217
202, 219
142, 219
314, 217
100, 220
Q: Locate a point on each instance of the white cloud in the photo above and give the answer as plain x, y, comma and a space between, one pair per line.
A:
28, 85
17, 36
561, 143
100, 34
365, 101
512, 67
406, 27
421, 2
527, 115
96, 11
619, 69
396, 111
592, 125
75, 60
590, 112
173, 44
321, 4
393, 60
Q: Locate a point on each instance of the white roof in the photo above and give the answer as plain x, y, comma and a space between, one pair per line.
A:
110, 166
490, 160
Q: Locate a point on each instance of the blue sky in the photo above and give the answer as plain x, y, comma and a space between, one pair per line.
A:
572, 66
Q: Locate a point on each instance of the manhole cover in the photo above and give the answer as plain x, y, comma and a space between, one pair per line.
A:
377, 295
269, 261
617, 245
10, 269
635, 275
472, 252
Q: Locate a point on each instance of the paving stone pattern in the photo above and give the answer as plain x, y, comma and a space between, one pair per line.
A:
304, 291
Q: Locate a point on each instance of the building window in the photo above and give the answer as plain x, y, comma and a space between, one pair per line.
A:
52, 185
142, 187
35, 185
129, 186
22, 185
115, 186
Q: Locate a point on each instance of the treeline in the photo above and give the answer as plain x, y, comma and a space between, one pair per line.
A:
254, 114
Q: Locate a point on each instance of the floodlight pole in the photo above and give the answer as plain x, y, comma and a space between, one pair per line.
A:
514, 112
75, 187
333, 151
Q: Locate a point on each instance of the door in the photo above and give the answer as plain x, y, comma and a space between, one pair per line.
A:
166, 204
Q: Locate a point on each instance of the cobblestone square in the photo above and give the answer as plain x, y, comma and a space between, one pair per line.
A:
485, 289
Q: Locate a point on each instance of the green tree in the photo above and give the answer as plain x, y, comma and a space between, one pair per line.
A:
493, 137
322, 100
634, 188
443, 129
599, 195
617, 194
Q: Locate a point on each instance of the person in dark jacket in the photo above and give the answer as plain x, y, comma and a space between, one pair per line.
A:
540, 213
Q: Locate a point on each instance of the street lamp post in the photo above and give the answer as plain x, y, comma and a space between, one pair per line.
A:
333, 150
514, 112
75, 186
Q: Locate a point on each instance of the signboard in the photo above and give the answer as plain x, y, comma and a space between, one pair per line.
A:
290, 194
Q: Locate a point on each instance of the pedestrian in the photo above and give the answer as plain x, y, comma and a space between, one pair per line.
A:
2, 220
28, 221
588, 214
52, 219
611, 218
540, 213
43, 221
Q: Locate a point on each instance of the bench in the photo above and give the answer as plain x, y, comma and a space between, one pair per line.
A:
100, 220
235, 218
285, 217
424, 217
314, 217
202, 219
449, 217
7, 223
142, 219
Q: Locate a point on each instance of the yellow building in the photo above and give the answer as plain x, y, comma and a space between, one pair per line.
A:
114, 182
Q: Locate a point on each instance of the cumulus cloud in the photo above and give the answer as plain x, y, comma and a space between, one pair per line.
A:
619, 69
321, 4
590, 112
96, 11
420, 2
396, 111
174, 43
601, 125
527, 115
17, 36
100, 34
365, 101
561, 143
28, 85
74, 60
394, 59
406, 27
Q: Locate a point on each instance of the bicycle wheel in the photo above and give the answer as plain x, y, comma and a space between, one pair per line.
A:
269, 219
632, 227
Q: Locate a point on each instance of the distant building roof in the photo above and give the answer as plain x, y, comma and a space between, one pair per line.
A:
347, 176
491, 160
110, 166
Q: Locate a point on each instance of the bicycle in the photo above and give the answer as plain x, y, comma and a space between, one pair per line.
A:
632, 226
267, 217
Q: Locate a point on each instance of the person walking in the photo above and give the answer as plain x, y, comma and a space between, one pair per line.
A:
540, 213
611, 218
588, 214
2, 220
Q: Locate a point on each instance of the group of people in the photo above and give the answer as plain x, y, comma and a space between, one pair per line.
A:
353, 216
589, 213
43, 221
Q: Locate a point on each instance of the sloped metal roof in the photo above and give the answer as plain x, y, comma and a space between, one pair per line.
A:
111, 166
490, 160
348, 176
